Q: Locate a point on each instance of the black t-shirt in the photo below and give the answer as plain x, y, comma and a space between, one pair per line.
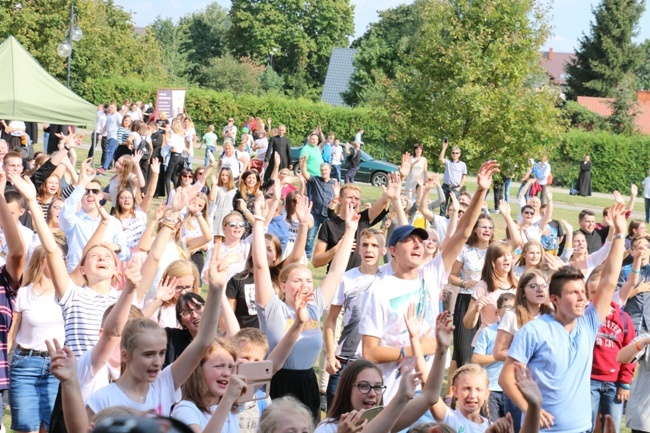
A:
241, 288
333, 229
594, 241
177, 342
354, 158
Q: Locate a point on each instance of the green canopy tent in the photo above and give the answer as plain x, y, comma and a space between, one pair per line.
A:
29, 93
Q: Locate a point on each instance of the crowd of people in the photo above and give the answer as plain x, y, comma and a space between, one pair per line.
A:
103, 315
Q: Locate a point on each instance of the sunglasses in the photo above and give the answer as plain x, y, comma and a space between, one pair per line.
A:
528, 213
94, 191
236, 224
191, 176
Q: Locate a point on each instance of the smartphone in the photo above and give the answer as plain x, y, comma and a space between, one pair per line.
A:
445, 140
370, 414
258, 377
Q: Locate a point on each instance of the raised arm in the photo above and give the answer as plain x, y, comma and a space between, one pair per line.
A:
303, 167
513, 228
393, 191
138, 171
634, 190
145, 204
632, 350
340, 261
206, 232
452, 212
15, 247
183, 367
612, 266
261, 273
548, 215
303, 214
466, 223
441, 157
54, 255
423, 202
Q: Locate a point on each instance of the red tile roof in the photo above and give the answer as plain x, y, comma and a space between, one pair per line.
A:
601, 106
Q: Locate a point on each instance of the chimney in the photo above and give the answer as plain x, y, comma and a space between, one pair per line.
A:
550, 53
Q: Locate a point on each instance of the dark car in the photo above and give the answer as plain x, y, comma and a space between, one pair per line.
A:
371, 170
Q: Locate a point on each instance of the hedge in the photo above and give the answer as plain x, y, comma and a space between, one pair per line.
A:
299, 115
617, 160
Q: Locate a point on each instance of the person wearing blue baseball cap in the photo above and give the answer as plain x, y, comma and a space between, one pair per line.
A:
385, 338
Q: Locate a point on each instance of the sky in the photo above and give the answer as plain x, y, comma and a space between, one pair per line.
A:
570, 18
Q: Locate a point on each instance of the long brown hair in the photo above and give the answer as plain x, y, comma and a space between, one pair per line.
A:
521, 303
342, 402
488, 273
195, 389
473, 239
243, 189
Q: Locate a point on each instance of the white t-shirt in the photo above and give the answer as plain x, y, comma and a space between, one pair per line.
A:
337, 152
262, 144
328, 425
233, 163
41, 320
177, 143
385, 304
187, 412
160, 398
91, 383
461, 424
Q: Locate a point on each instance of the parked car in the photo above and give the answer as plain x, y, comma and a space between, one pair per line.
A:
371, 170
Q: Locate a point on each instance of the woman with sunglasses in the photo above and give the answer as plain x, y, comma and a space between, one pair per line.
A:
531, 301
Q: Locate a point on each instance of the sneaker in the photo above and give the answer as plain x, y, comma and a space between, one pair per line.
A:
101, 171
323, 402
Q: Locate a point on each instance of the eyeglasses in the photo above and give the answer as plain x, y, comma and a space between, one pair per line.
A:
536, 287
56, 207
187, 314
365, 387
184, 288
508, 307
191, 176
485, 227
94, 191
236, 224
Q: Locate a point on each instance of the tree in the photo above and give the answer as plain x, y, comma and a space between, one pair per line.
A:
643, 72
304, 34
173, 39
624, 107
607, 55
229, 74
380, 52
109, 43
467, 78
206, 36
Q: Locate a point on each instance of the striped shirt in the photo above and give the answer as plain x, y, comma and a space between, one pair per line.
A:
83, 309
7, 302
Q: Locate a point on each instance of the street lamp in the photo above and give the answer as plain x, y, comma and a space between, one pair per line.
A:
271, 54
74, 34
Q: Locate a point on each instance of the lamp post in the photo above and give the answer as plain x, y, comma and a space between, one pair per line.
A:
74, 34
271, 54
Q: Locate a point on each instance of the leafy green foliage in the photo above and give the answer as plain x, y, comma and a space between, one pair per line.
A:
172, 40
580, 117
380, 51
302, 33
229, 74
607, 55
643, 71
467, 79
108, 45
618, 160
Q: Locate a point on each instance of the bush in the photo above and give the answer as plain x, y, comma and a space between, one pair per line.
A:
617, 160
299, 115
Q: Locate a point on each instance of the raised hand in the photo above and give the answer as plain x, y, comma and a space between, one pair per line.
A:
24, 185
137, 156
102, 212
618, 197
504, 207
86, 174
568, 228
527, 385
180, 200
160, 211
63, 364
444, 329
166, 289
155, 166
260, 208
218, 271
549, 195
432, 182
132, 273
634, 190
410, 379
454, 206
301, 301
405, 166
193, 206
394, 186
302, 209
485, 173
502, 425
413, 320
351, 218
337, 188
618, 215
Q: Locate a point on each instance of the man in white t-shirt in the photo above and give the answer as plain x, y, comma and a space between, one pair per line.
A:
336, 153
385, 338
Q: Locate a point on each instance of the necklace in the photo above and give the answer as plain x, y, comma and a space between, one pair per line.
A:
139, 399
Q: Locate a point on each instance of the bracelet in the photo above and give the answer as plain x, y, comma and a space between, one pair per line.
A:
167, 224
197, 214
636, 271
169, 219
625, 386
259, 218
402, 353
618, 236
638, 348
103, 221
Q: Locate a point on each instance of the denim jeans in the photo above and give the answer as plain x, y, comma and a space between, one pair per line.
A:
208, 150
311, 236
515, 412
32, 393
603, 401
336, 172
349, 176
448, 189
112, 147
506, 187
495, 405
334, 383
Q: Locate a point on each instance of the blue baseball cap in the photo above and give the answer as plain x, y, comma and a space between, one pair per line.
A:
403, 232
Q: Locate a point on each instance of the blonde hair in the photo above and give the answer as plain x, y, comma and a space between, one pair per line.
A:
179, 269
477, 370
251, 337
106, 246
131, 333
195, 389
286, 271
115, 411
284, 407
177, 127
